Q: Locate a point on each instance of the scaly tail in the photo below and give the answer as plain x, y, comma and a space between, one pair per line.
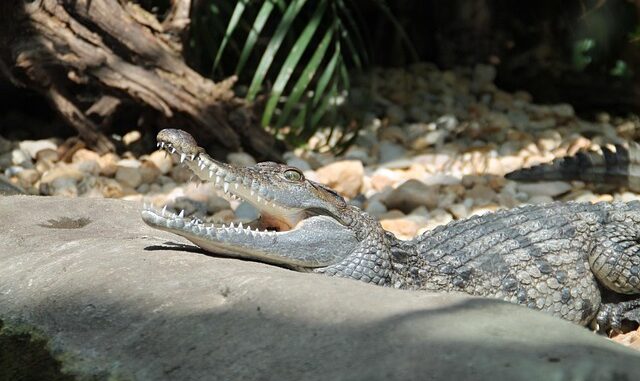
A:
619, 168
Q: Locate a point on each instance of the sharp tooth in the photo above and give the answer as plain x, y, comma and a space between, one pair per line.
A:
158, 144
202, 165
226, 187
217, 180
164, 210
240, 225
224, 226
210, 174
236, 185
181, 215
231, 225
182, 157
173, 150
248, 228
193, 156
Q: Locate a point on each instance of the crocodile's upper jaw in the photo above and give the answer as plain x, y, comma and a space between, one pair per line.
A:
298, 217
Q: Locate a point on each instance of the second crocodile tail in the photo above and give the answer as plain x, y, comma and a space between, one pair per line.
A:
619, 168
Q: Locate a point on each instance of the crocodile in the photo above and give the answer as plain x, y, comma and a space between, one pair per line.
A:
610, 169
577, 261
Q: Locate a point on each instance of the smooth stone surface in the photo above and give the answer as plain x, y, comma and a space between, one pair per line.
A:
115, 299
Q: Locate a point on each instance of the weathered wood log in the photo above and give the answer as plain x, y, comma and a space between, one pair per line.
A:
90, 57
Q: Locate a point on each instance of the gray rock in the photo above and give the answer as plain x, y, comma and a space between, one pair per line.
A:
297, 162
216, 204
128, 172
247, 212
115, 299
241, 159
359, 153
412, 194
390, 152
375, 208
6, 145
190, 207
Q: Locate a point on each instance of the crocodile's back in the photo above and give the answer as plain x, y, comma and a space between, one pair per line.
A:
538, 256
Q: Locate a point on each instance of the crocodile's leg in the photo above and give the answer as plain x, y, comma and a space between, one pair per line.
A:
615, 261
610, 315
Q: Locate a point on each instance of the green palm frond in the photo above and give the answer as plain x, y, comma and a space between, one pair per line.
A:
297, 53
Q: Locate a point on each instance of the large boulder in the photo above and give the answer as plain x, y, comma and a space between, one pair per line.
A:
108, 297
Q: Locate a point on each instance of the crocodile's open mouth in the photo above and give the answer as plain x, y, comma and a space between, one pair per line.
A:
296, 215
232, 185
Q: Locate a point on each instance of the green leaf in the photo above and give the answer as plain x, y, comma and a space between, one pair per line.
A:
358, 48
272, 48
325, 77
305, 78
289, 66
233, 22
327, 101
254, 32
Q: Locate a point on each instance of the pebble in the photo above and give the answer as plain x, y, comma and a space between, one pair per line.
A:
547, 188
108, 164
246, 212
32, 147
27, 177
189, 206
297, 162
402, 228
412, 194
21, 158
375, 208
6, 145
216, 204
128, 173
343, 176
162, 161
131, 137
242, 159
389, 151
459, 211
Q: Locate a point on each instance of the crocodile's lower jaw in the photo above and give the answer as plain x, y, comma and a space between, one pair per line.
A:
304, 244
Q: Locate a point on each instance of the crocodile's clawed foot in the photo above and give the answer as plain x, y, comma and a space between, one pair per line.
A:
611, 315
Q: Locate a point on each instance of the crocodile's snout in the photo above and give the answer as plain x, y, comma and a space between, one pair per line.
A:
181, 140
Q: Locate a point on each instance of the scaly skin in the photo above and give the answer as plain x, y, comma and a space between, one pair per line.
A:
563, 259
609, 170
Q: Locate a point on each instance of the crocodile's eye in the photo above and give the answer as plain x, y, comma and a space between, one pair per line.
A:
293, 175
